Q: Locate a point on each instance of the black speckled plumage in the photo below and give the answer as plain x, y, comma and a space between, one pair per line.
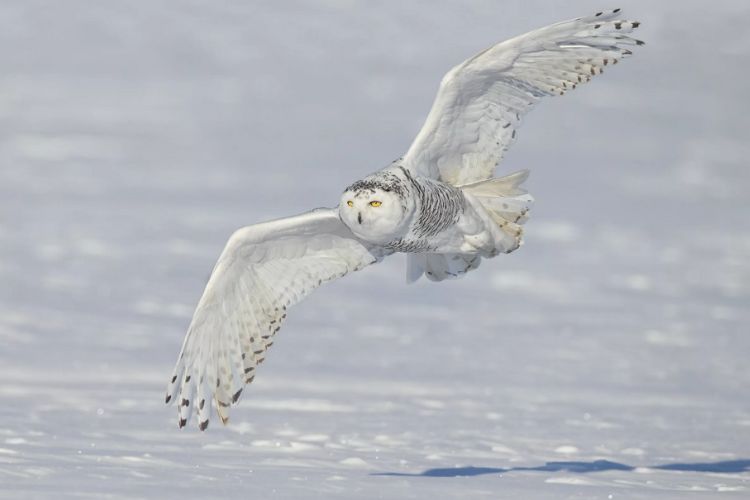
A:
384, 180
440, 205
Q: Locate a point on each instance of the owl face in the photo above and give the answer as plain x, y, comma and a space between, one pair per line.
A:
374, 214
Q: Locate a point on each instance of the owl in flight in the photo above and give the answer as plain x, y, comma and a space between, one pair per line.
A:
439, 204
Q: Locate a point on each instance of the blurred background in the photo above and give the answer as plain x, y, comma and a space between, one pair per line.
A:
135, 137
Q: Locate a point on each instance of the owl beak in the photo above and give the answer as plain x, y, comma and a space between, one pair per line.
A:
359, 217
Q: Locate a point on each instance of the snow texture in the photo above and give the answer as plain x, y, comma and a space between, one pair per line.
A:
606, 359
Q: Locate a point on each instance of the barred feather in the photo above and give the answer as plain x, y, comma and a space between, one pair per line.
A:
263, 270
480, 103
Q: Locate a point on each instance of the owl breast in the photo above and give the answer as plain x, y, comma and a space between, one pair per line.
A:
402, 212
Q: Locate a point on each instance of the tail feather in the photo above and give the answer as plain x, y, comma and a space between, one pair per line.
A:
507, 204
509, 185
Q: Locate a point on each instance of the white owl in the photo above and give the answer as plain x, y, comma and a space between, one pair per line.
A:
439, 204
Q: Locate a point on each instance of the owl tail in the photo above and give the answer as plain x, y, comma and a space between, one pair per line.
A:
503, 197
507, 204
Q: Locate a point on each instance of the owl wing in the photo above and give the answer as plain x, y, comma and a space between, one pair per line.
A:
263, 270
480, 102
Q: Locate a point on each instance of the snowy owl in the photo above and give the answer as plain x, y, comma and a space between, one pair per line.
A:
438, 203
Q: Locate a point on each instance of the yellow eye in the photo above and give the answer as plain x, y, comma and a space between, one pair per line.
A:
350, 203
375, 203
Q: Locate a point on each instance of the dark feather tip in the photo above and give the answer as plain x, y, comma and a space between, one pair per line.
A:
168, 399
236, 396
182, 423
203, 425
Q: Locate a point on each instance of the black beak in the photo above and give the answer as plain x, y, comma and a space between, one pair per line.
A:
359, 217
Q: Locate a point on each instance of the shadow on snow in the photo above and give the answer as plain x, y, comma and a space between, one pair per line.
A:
726, 467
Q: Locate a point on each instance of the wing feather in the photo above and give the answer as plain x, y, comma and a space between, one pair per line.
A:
263, 270
480, 103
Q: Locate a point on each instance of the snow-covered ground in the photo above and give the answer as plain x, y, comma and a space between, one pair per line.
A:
606, 359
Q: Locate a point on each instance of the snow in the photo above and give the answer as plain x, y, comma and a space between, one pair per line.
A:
605, 359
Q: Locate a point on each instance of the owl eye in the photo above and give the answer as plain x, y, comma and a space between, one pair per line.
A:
375, 203
350, 203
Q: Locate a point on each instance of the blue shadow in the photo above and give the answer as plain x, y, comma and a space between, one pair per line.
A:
725, 467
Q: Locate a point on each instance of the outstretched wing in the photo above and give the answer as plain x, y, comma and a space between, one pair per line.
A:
263, 270
480, 102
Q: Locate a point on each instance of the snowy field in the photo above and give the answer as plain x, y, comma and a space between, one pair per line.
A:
606, 359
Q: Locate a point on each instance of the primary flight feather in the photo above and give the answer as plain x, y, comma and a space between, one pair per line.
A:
439, 204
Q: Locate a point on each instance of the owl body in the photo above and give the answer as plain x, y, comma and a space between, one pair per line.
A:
413, 214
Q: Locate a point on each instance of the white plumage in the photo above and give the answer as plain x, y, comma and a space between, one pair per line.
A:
262, 271
438, 203
479, 105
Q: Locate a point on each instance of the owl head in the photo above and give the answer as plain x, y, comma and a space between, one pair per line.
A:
376, 211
